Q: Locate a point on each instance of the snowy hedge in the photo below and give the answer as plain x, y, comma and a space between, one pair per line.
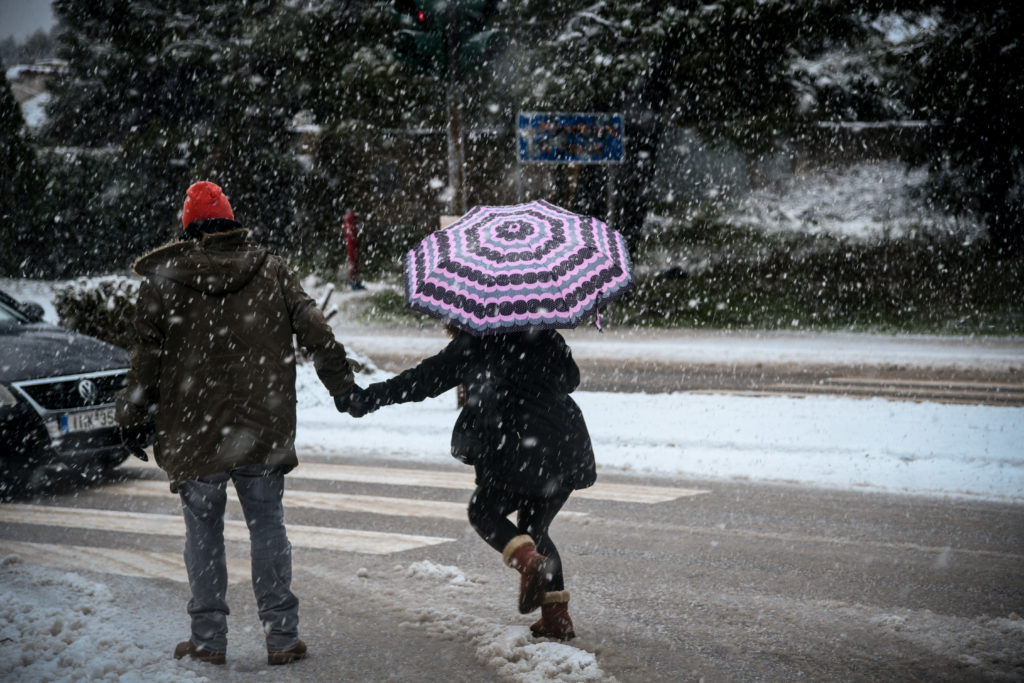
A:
102, 307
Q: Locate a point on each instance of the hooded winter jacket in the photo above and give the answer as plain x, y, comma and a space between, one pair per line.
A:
519, 428
214, 362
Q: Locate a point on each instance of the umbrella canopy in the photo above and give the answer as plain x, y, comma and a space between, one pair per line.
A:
517, 267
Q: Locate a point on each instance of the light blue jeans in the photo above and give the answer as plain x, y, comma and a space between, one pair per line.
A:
260, 489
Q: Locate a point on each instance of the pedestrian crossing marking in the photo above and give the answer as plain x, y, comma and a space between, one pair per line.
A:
449, 479
324, 538
335, 502
465, 480
141, 563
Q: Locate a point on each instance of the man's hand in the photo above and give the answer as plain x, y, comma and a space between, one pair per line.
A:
137, 437
356, 403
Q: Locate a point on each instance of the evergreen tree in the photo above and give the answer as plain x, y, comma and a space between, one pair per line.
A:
366, 106
20, 187
38, 46
722, 68
172, 92
970, 85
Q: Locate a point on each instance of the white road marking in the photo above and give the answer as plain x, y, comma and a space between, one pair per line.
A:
141, 563
622, 493
937, 383
397, 476
894, 391
334, 502
464, 480
325, 538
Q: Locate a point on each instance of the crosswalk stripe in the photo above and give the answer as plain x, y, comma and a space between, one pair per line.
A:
464, 480
335, 502
326, 538
626, 493
141, 563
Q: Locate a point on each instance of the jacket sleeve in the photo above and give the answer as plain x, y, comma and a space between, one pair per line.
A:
137, 402
315, 335
432, 377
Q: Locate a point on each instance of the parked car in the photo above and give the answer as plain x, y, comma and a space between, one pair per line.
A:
57, 392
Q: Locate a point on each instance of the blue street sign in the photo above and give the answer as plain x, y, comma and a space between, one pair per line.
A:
570, 138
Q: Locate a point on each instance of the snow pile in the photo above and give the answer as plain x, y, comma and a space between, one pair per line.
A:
34, 110
515, 655
511, 651
56, 625
453, 576
938, 449
921, 448
33, 291
111, 286
862, 200
993, 645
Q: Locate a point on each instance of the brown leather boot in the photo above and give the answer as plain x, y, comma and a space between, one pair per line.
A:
534, 568
288, 656
554, 619
190, 649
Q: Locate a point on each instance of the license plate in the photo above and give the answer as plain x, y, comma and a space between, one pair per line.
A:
87, 420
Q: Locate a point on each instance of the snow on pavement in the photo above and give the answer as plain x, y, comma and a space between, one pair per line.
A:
935, 449
510, 650
62, 626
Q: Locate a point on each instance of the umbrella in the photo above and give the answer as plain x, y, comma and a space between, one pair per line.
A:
511, 268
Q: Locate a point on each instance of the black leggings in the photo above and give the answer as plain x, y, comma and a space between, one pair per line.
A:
488, 513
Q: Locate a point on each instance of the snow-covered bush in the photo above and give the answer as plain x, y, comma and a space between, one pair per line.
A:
101, 307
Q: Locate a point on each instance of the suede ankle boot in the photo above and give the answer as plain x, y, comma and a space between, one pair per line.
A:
189, 649
554, 619
534, 568
288, 656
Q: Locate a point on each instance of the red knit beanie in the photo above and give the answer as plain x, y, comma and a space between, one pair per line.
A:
204, 201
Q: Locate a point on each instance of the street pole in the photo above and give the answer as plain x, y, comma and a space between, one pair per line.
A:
456, 155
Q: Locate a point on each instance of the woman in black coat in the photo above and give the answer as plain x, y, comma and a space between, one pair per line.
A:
525, 437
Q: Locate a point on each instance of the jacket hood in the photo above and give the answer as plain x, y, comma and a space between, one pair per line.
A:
219, 264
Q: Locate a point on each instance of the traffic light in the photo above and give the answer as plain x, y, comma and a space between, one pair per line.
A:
432, 30
476, 49
478, 44
420, 40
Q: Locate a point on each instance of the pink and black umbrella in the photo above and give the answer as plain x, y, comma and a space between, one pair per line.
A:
510, 268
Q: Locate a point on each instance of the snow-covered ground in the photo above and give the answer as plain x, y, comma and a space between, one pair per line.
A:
66, 624
861, 200
879, 445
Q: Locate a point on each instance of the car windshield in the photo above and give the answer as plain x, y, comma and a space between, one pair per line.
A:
11, 315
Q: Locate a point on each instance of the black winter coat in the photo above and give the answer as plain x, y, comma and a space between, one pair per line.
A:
519, 428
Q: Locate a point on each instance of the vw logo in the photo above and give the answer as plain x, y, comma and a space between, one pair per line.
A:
88, 391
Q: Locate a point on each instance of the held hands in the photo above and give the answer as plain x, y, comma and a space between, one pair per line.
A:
356, 403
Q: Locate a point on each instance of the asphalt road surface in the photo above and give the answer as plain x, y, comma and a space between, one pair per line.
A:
671, 580
947, 370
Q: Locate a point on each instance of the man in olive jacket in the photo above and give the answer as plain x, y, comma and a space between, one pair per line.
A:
214, 368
